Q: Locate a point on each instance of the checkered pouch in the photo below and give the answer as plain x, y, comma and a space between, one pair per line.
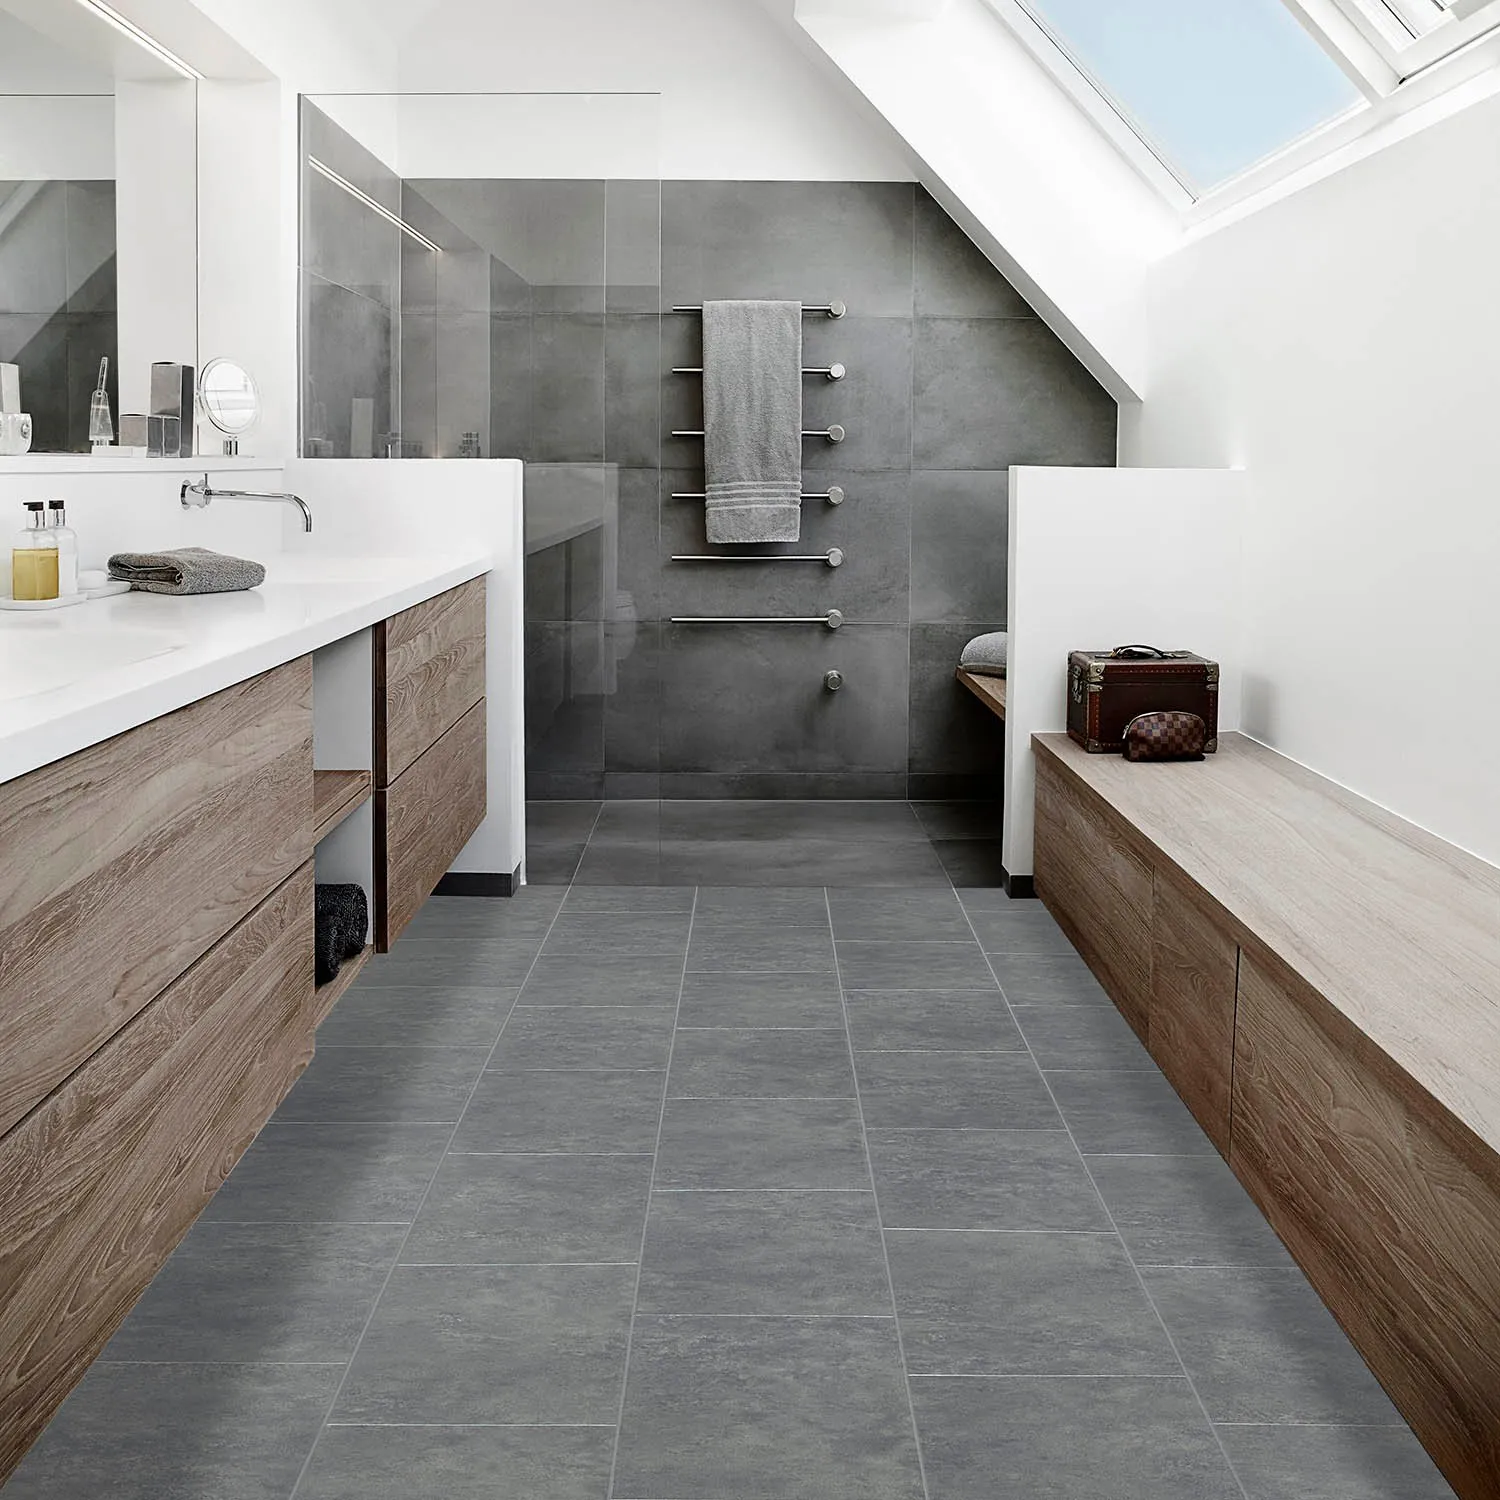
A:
1165, 736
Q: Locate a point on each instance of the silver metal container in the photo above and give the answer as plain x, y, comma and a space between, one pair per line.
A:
172, 389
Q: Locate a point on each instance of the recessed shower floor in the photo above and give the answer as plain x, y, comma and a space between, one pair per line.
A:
797, 1190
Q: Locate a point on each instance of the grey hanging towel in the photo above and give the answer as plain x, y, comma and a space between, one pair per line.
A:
752, 420
187, 570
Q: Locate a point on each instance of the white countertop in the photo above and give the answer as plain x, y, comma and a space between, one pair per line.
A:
133, 657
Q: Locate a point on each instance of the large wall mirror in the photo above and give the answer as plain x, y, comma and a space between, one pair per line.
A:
98, 217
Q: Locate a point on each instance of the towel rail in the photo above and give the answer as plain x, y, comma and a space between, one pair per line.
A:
834, 434
834, 309
833, 495
833, 619
828, 372
833, 557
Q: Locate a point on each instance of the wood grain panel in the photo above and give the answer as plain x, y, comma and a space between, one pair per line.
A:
100, 1182
1399, 1233
423, 820
1194, 963
429, 672
126, 862
1098, 888
989, 690
336, 794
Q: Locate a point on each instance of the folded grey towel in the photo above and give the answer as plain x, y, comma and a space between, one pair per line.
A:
987, 653
188, 570
752, 420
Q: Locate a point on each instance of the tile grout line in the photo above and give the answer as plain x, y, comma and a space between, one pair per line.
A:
1114, 1225
885, 1254
640, 1263
416, 1214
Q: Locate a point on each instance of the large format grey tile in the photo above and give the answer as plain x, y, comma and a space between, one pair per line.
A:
261, 1294
348, 346
1317, 1462
652, 899
180, 1432
439, 1015
1017, 928
830, 861
632, 389
954, 1091
919, 915
1260, 1347
331, 1173
757, 820
1130, 1113
951, 733
554, 821
959, 539
490, 1210
730, 945
909, 965
954, 279
615, 1038
931, 1021
759, 1064
493, 1344
353, 1085
983, 1179
527, 914
761, 1143
1081, 1036
595, 979
1035, 979
620, 935
548, 1111
1128, 1439
1040, 1303
433, 963
621, 865
961, 820
752, 1000
774, 1253
460, 1463
787, 906
972, 861
873, 402
632, 245
567, 384
751, 1407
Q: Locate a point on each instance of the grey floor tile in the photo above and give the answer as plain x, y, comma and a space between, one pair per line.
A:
554, 1111
773, 1253
1126, 1439
620, 935
1082, 1037
561, 820
1332, 1463
953, 1091
460, 1463
493, 1210
179, 1432
1047, 979
444, 963
931, 1021
493, 1344
919, 915
761, 1143
789, 861
619, 1038
655, 900
629, 865
961, 820
589, 979
1186, 1211
419, 1016
261, 1294
734, 946
973, 862
745, 1408
1260, 1347
1023, 1304
1127, 1112
750, 1000
527, 914
983, 1179
792, 906
331, 1173
1020, 927
552, 865
913, 966
727, 1064
350, 1085
852, 822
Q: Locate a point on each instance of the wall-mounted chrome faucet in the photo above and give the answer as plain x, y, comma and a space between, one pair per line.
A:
196, 494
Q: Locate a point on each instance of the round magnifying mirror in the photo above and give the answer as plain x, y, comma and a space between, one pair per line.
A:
227, 394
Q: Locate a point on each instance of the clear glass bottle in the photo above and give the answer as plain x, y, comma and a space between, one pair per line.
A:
33, 557
67, 547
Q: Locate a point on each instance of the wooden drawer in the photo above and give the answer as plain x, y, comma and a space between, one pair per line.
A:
102, 1180
424, 819
429, 672
1394, 1217
1194, 966
1099, 889
126, 862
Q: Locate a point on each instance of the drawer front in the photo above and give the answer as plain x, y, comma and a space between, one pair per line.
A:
126, 862
101, 1181
1098, 888
1399, 1233
424, 819
429, 672
1194, 966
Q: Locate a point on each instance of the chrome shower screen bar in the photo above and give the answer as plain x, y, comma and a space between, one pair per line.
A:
833, 619
834, 434
833, 557
834, 309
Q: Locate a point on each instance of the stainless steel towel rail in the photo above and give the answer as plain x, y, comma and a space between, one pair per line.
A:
833, 495
833, 619
828, 372
834, 309
834, 434
833, 557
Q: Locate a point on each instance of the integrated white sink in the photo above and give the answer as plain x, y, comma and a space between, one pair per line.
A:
43, 655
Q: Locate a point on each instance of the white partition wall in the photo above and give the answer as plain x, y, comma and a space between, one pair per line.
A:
1100, 558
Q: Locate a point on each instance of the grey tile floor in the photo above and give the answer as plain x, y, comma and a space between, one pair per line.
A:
676, 1192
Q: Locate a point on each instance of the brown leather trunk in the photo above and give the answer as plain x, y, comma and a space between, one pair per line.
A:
1107, 689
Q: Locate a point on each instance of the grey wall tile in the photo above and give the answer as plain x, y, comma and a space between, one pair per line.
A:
567, 415
510, 386
632, 246
348, 343
639, 547
463, 382
632, 711
565, 698
951, 731
795, 785
872, 402
959, 544
39, 344
90, 338
33, 254
632, 390
954, 279
419, 380
91, 247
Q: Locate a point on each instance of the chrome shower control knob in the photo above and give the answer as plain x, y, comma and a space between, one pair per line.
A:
834, 618
835, 557
835, 494
833, 680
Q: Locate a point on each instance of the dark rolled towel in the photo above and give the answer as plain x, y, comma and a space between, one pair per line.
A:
341, 917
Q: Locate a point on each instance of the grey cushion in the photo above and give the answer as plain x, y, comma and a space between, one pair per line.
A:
986, 653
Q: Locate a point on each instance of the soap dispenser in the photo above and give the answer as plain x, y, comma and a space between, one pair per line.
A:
33, 557
67, 547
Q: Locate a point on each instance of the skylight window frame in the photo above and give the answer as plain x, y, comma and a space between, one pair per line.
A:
1408, 51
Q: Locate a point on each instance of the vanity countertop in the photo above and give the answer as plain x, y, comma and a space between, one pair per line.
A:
121, 661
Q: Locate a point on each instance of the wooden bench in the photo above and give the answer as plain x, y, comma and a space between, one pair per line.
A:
989, 690
1320, 981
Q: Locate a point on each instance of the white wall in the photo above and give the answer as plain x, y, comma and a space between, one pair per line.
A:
60, 137
1343, 345
1101, 558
